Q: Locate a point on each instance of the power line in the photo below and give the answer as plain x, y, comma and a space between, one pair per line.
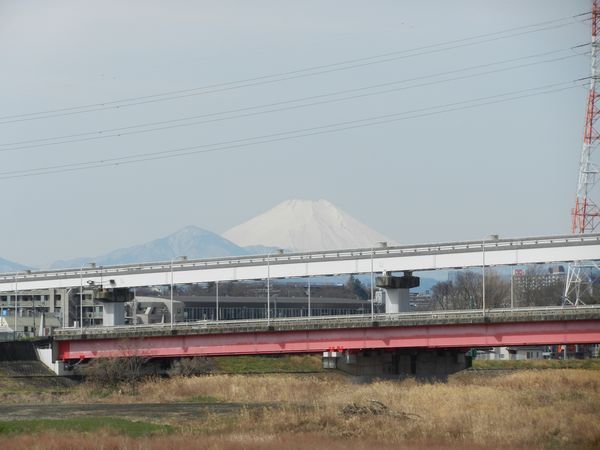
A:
122, 131
299, 73
292, 134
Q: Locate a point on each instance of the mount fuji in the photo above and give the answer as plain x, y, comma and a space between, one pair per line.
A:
305, 225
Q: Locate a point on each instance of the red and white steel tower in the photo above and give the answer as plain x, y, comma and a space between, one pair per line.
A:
585, 216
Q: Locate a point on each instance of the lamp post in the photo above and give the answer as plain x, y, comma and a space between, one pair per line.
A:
134, 308
81, 296
269, 284
493, 237
269, 288
483, 275
28, 272
16, 304
512, 289
309, 309
372, 287
217, 299
172, 310
92, 265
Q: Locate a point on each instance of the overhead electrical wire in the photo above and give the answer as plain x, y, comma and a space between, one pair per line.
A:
299, 73
129, 130
293, 134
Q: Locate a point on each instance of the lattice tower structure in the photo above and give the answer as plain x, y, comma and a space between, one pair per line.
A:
585, 216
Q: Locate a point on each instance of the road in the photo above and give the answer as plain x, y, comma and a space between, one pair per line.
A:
132, 410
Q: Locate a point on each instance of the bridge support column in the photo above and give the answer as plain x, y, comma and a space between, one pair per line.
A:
397, 291
428, 364
113, 305
113, 314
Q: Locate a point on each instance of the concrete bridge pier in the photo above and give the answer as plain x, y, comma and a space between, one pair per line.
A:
428, 364
113, 305
397, 290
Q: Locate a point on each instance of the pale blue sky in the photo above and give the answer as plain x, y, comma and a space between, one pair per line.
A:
507, 169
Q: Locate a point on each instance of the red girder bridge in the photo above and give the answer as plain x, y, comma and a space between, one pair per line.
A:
429, 330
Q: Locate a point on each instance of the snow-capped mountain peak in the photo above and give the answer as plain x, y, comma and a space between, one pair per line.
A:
305, 225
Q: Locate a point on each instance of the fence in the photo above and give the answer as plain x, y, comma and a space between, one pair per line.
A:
196, 313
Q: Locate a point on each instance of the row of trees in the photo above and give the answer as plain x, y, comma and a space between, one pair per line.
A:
465, 290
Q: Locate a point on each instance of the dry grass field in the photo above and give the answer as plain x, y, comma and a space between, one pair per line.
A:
524, 409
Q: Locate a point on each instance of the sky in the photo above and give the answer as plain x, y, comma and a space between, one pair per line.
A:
507, 168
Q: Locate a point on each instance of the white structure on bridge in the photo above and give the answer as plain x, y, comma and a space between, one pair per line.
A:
490, 252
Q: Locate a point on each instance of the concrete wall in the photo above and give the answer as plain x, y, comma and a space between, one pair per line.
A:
17, 351
424, 364
46, 358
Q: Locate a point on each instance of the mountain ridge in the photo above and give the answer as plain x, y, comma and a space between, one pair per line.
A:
191, 241
11, 266
293, 225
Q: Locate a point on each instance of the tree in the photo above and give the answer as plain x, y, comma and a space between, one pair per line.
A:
465, 291
441, 293
355, 286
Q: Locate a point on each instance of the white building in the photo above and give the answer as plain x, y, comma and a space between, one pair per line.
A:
513, 353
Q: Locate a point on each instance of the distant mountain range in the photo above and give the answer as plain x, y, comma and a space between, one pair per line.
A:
294, 225
191, 241
10, 266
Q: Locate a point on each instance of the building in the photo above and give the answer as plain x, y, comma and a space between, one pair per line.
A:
59, 307
514, 353
523, 280
26, 326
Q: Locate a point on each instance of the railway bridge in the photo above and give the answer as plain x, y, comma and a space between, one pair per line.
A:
398, 336
435, 342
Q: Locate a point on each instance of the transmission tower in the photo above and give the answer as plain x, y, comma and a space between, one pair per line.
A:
586, 214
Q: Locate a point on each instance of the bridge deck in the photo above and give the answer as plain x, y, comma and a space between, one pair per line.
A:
449, 329
433, 318
344, 261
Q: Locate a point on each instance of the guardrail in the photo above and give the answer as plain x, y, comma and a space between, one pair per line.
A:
342, 254
354, 319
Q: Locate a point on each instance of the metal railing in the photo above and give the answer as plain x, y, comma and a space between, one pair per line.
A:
350, 320
331, 255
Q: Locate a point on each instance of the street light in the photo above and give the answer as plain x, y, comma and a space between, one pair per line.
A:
183, 258
92, 265
217, 298
372, 287
28, 272
16, 304
309, 309
483, 276
269, 284
493, 237
512, 289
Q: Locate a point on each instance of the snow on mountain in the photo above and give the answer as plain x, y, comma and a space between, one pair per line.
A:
305, 225
191, 241
10, 266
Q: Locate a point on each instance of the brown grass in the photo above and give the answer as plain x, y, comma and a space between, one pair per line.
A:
233, 441
525, 409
